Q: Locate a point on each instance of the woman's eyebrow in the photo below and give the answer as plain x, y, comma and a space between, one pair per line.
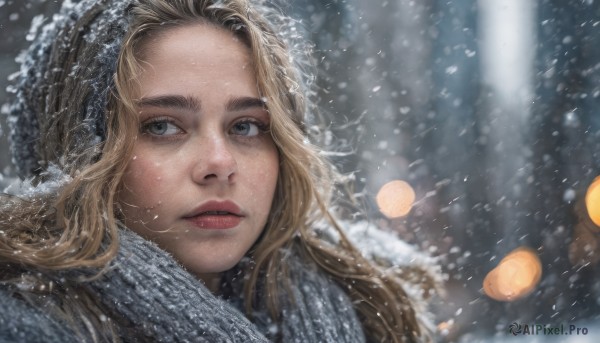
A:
239, 104
171, 101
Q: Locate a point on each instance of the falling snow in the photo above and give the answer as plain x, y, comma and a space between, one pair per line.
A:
488, 109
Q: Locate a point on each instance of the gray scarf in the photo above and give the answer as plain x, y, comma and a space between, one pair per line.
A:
165, 303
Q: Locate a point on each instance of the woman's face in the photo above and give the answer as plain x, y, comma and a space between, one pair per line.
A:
204, 168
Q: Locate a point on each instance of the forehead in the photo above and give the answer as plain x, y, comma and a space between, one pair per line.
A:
190, 35
192, 57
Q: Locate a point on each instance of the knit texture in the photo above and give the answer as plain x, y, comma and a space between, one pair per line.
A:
61, 93
146, 286
322, 311
20, 322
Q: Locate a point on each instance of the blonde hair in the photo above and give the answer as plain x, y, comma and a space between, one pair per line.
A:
83, 215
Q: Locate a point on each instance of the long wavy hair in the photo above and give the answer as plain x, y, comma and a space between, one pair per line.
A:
78, 227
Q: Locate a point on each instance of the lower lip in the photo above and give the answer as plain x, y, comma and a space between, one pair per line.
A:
216, 222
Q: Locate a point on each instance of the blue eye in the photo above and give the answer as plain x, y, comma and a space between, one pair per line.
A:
161, 128
246, 128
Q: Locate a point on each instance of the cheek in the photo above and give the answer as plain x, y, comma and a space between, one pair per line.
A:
267, 163
260, 172
267, 175
143, 183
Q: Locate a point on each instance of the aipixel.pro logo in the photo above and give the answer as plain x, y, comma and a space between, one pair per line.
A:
547, 330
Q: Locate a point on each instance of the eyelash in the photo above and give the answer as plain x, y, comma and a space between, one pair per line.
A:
262, 127
146, 126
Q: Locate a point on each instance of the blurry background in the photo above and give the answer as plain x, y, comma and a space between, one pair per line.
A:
489, 111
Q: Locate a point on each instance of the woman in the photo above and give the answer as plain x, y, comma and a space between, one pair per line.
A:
192, 208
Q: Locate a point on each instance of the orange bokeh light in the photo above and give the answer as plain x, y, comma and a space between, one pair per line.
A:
516, 276
592, 201
395, 199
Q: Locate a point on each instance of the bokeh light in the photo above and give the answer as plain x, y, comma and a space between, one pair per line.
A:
592, 201
516, 276
395, 199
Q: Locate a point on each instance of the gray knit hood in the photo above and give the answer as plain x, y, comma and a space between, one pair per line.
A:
63, 86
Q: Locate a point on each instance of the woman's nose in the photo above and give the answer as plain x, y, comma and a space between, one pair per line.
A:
215, 163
